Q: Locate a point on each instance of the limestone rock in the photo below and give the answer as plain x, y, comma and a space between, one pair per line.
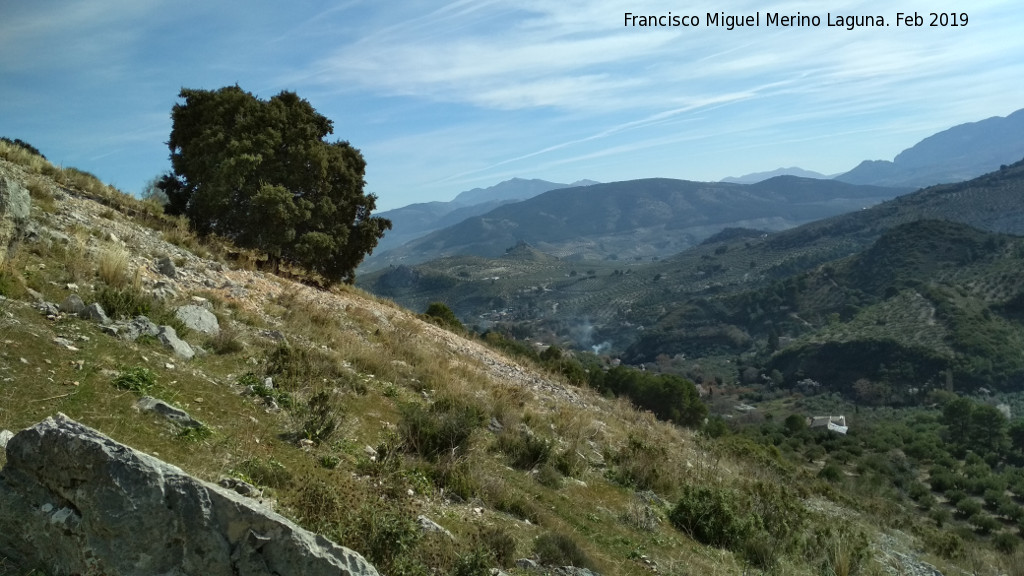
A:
174, 414
73, 501
95, 313
199, 319
169, 338
14, 212
72, 304
166, 267
428, 525
137, 327
5, 437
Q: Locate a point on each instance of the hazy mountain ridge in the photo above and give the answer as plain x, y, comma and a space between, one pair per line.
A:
956, 154
755, 177
415, 220
645, 218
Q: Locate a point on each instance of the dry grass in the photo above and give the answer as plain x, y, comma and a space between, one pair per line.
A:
112, 267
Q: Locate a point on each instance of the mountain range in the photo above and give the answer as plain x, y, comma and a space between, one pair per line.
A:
959, 153
415, 220
927, 274
658, 217
646, 218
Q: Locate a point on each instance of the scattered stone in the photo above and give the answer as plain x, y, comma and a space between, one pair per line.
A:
166, 267
169, 338
49, 309
163, 291
527, 564
574, 571
5, 436
95, 313
276, 335
103, 508
64, 342
428, 525
306, 443
240, 486
176, 415
199, 319
495, 426
238, 292
370, 452
72, 287
38, 297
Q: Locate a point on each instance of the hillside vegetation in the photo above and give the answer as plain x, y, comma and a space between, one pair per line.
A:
354, 417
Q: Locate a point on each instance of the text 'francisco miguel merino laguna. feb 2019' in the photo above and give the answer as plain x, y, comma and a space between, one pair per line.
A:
798, 20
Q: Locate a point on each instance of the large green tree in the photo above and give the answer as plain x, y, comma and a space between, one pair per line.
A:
261, 173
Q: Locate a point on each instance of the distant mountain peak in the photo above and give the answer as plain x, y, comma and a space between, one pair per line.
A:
756, 177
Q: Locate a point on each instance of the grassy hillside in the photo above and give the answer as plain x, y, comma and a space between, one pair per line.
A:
376, 417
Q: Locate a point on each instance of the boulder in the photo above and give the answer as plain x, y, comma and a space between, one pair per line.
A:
95, 313
198, 318
73, 501
169, 338
137, 327
172, 413
14, 212
72, 304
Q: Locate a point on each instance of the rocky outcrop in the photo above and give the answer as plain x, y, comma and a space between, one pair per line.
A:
73, 501
199, 319
14, 211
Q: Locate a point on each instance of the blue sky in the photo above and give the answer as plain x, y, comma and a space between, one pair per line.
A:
442, 97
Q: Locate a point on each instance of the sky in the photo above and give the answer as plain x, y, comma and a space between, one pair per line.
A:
442, 97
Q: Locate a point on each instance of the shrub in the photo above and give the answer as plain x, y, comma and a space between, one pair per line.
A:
556, 549
831, 473
500, 543
524, 449
1005, 542
641, 465
548, 475
440, 430
440, 314
713, 516
137, 379
322, 414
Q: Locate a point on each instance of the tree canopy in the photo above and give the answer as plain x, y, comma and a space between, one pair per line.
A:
260, 173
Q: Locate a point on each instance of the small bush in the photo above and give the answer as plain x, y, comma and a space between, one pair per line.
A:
265, 473
556, 549
440, 430
440, 314
125, 302
548, 475
500, 543
641, 465
713, 516
137, 379
524, 449
831, 473
322, 416
1005, 542
226, 341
